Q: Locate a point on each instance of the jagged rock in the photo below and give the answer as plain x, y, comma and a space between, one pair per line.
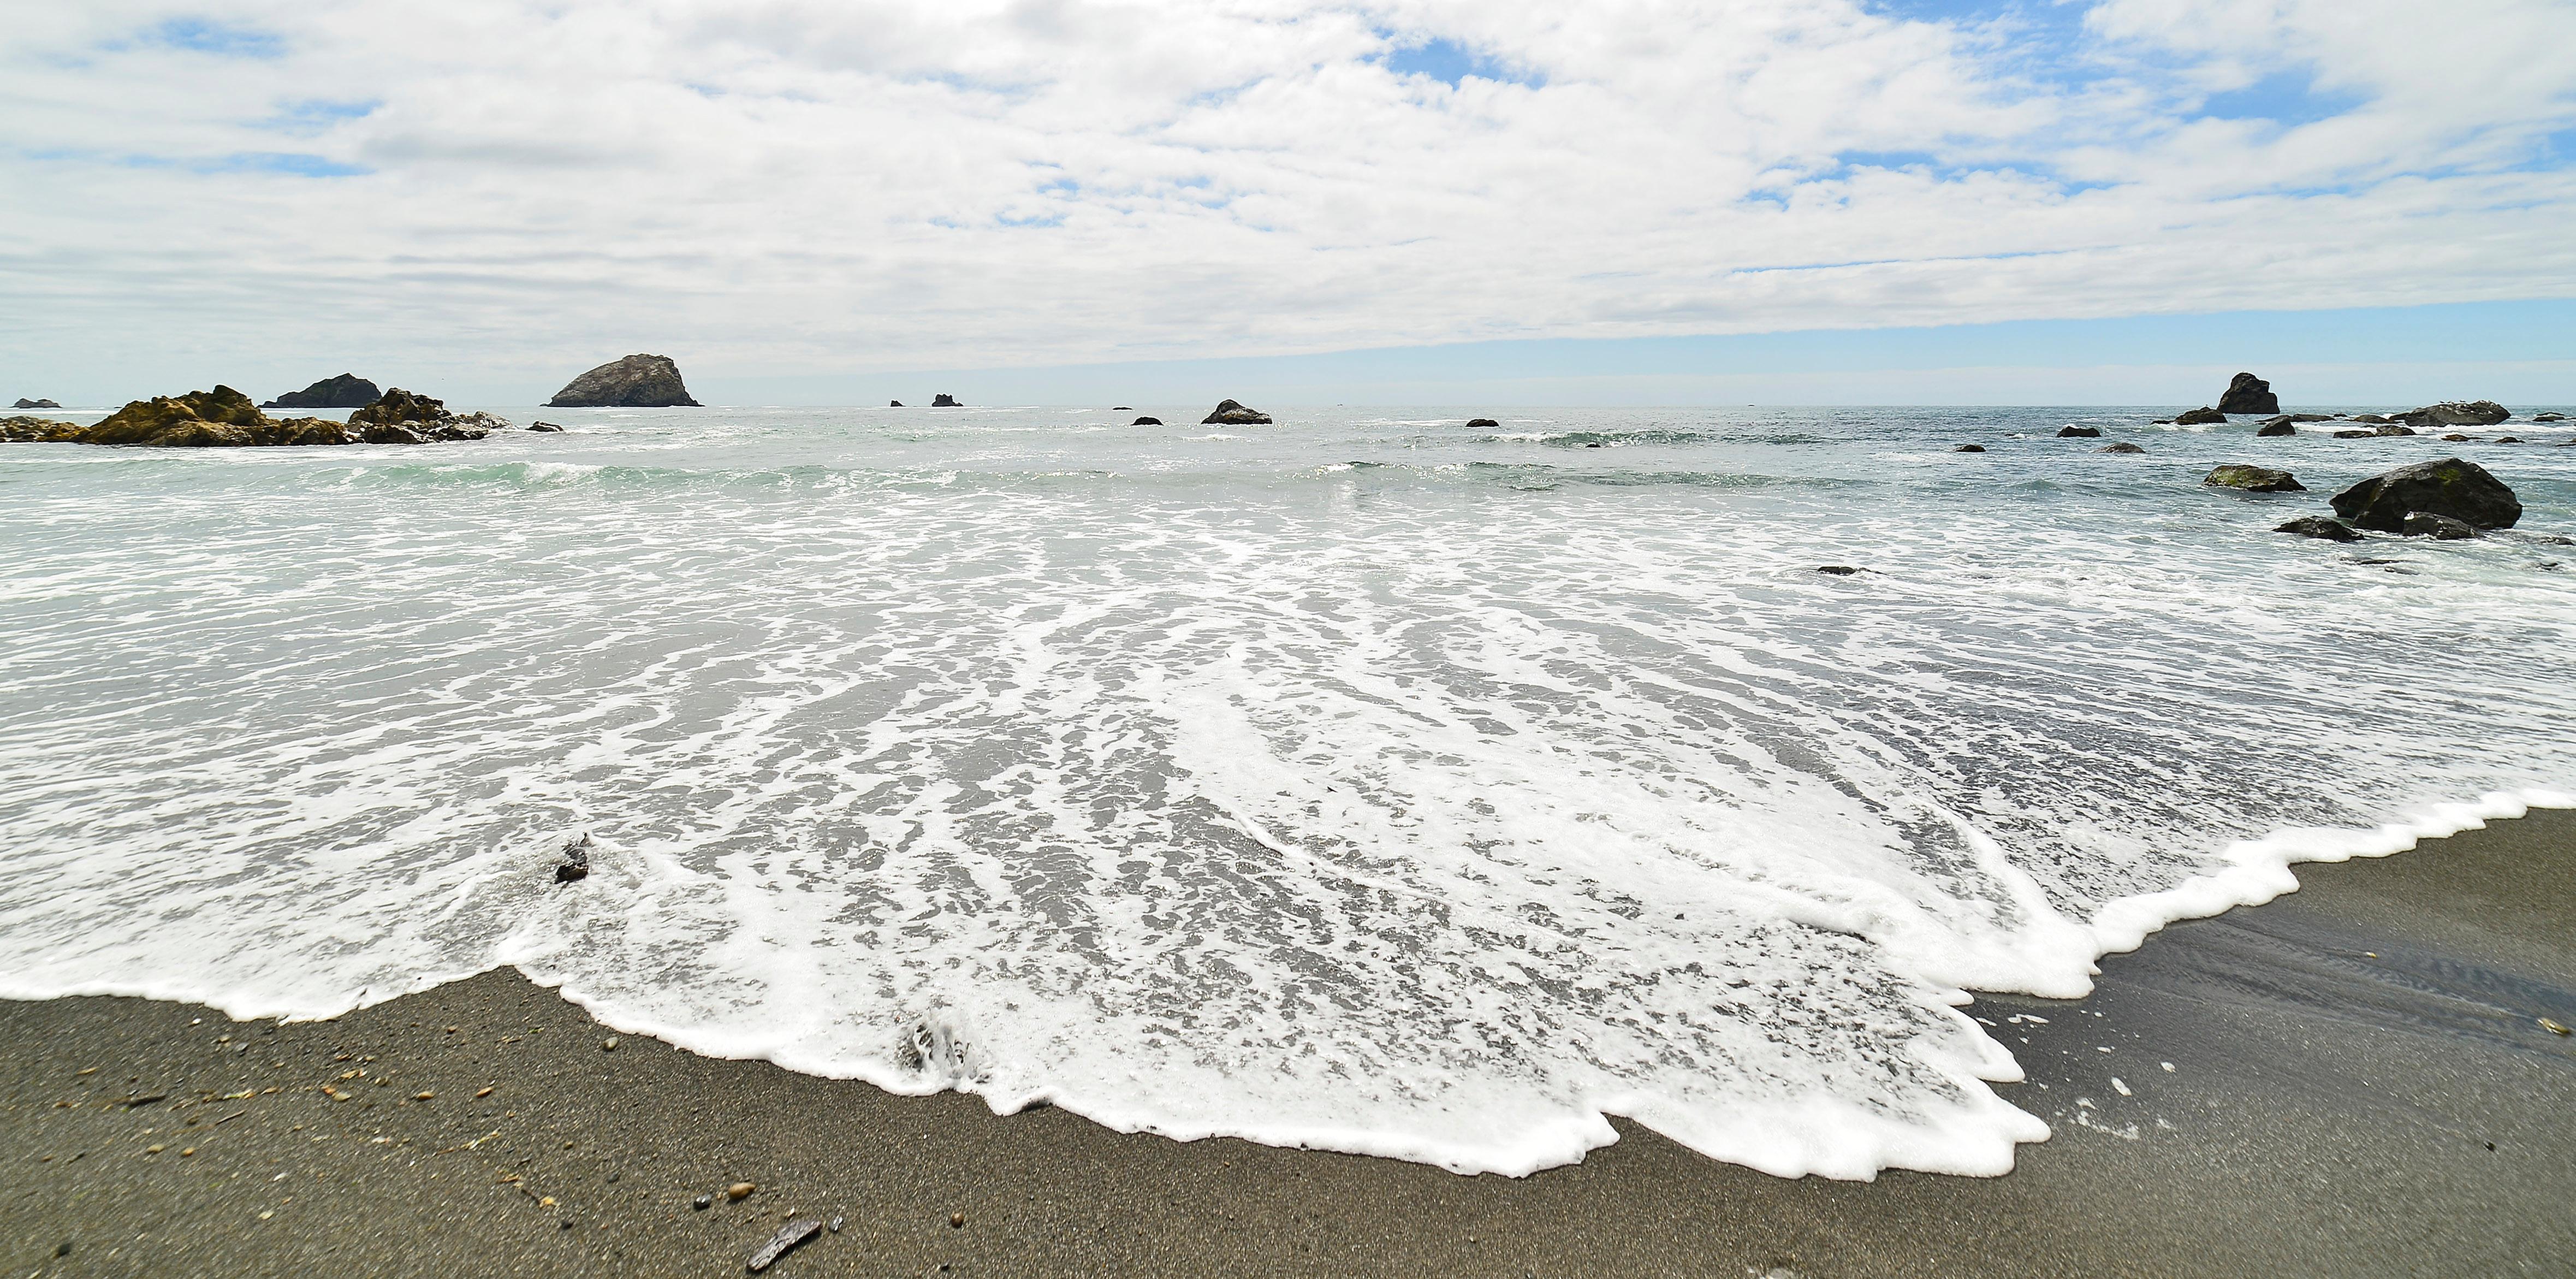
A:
37, 430
347, 391
2282, 425
545, 426
894, 404
944, 400
2318, 526
636, 382
400, 417
2247, 393
2079, 432
575, 865
1231, 413
1147, 421
24, 403
2200, 417
2439, 527
2122, 447
1483, 424
2461, 490
1970, 448
2253, 479
220, 418
2457, 413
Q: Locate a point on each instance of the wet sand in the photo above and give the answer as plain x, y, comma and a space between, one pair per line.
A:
2360, 1085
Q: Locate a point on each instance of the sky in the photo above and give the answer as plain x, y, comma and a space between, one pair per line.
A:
1407, 201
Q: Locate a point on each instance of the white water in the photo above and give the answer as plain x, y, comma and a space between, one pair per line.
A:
1354, 783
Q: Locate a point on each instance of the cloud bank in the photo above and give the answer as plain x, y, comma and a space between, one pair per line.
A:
827, 185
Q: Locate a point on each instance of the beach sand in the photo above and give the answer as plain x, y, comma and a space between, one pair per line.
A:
2360, 1085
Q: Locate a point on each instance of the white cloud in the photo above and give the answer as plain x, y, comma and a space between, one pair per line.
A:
817, 185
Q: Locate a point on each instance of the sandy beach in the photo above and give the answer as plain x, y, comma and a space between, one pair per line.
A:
2359, 1083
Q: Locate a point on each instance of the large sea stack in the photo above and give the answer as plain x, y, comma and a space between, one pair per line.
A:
2450, 487
2247, 393
636, 382
347, 391
1232, 413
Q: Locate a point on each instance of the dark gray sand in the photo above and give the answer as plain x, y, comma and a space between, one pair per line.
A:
2360, 1086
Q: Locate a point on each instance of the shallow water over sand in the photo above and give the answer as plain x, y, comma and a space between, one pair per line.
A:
1364, 781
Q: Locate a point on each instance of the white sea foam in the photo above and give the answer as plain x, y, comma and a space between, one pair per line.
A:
1438, 807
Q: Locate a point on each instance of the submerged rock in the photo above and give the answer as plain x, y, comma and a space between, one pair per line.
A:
1970, 448
636, 382
944, 400
2200, 417
1232, 413
2079, 432
24, 403
2253, 479
1147, 421
2508, 439
545, 426
2451, 487
2247, 393
2457, 413
2318, 526
2122, 447
2536, 417
1482, 424
2441, 527
347, 391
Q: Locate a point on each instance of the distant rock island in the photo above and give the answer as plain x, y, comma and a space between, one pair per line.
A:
347, 391
1233, 413
36, 404
636, 382
2247, 393
944, 400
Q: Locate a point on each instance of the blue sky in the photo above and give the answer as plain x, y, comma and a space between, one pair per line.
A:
1817, 200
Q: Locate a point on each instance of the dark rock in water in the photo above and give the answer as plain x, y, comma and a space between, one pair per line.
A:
1121, 408
220, 418
2449, 487
2457, 413
1482, 424
544, 426
2200, 417
2455, 438
2508, 439
944, 400
1147, 421
1838, 570
2122, 447
2312, 417
894, 404
2355, 435
347, 391
576, 861
2536, 417
37, 430
400, 417
2282, 425
1231, 413
2318, 526
636, 382
2442, 527
2393, 429
2253, 479
788, 1236
24, 403
1970, 448
2372, 419
2079, 432
2247, 393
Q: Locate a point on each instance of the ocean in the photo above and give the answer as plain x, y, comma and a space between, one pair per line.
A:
1370, 782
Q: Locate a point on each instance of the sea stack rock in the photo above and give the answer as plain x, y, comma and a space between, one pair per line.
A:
347, 391
636, 382
2253, 479
894, 404
2456, 413
1482, 424
2079, 432
35, 404
2450, 487
944, 400
1147, 421
2247, 393
1232, 413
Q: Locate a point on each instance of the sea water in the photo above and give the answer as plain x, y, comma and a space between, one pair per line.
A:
1370, 781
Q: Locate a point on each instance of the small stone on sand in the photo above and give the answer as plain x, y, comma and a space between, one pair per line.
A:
740, 1191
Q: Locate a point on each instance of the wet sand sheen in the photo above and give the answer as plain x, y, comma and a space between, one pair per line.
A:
2361, 1085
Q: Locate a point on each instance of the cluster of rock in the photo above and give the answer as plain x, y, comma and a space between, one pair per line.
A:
636, 382
944, 400
25, 403
347, 391
226, 418
2448, 499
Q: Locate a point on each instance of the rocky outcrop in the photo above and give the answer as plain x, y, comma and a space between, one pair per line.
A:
1147, 421
2253, 479
2439, 527
2456, 413
2282, 425
636, 382
2318, 526
1231, 413
400, 417
37, 430
2247, 393
1970, 448
347, 391
2372, 419
2075, 432
2536, 417
2122, 447
1483, 424
2449, 487
2200, 417
220, 418
894, 404
944, 400
548, 427
24, 403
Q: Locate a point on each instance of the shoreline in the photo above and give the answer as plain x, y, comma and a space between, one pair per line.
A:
2359, 1085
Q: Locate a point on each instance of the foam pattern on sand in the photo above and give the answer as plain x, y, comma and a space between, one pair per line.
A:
1378, 786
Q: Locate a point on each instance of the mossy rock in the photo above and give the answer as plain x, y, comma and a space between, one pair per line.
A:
37, 430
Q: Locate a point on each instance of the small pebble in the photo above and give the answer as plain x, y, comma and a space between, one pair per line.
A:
2552, 1027
740, 1190
424, 1096
702, 1202
837, 1223
186, 1151
482, 1092
608, 1045
154, 1150
957, 1220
